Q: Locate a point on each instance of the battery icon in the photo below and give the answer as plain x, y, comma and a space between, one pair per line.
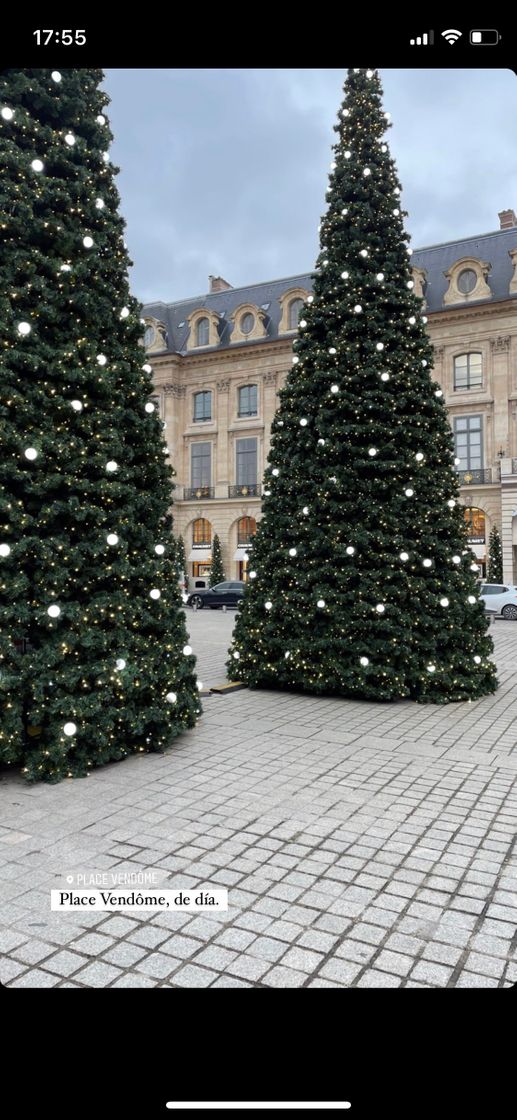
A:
484, 38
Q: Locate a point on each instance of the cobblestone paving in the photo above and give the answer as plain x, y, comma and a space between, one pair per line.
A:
363, 845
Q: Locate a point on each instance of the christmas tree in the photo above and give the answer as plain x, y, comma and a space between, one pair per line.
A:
495, 557
361, 580
180, 550
216, 568
89, 585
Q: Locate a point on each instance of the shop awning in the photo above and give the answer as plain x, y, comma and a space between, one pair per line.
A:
241, 554
200, 554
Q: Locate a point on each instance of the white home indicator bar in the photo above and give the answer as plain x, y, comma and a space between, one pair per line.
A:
314, 1105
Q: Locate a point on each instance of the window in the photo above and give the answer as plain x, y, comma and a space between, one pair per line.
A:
468, 371
247, 323
248, 400
246, 529
295, 309
202, 332
201, 474
202, 406
201, 533
468, 438
475, 522
246, 462
149, 336
493, 589
467, 281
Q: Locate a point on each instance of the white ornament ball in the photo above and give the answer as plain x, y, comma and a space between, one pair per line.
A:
350, 550
4, 550
99, 204
54, 611
106, 159
275, 471
369, 73
112, 538
457, 462
396, 211
70, 139
456, 559
332, 350
380, 608
37, 165
334, 388
477, 659
155, 593
147, 368
404, 556
252, 575
7, 113
364, 661
451, 503
24, 328
348, 154
444, 602
88, 242
302, 323
31, 454
344, 275
268, 605
120, 663
320, 603
363, 252
409, 492
187, 650
77, 406
112, 466
471, 599
427, 563
171, 697
419, 456
159, 549
237, 655
56, 76
310, 299
149, 407
379, 346
438, 393
293, 552
372, 451
124, 313
305, 510
358, 309
295, 359
412, 320
65, 268
380, 276
102, 359
385, 376
410, 284
473, 567
431, 668
366, 172
344, 211
70, 729
321, 442
100, 119
303, 422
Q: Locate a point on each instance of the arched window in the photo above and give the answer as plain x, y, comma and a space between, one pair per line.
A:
475, 522
202, 332
468, 371
246, 529
201, 533
295, 309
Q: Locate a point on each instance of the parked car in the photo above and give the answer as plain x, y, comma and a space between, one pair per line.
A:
227, 594
500, 597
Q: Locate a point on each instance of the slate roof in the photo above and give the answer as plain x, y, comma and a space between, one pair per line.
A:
435, 259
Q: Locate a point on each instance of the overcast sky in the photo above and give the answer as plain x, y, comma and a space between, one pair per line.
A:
225, 171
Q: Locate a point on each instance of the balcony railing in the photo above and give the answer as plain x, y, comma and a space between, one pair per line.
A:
475, 477
197, 492
247, 490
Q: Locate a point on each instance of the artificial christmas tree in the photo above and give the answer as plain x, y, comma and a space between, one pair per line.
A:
88, 562
361, 581
495, 557
216, 568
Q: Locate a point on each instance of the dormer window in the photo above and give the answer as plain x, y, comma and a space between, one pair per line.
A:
202, 332
467, 281
247, 323
295, 310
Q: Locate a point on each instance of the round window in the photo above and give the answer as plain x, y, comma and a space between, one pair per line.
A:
467, 281
247, 323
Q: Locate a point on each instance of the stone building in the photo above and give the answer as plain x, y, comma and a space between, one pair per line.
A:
219, 360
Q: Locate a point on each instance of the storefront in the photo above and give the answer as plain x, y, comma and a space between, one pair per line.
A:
476, 533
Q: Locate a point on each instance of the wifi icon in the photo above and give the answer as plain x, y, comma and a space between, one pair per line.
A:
452, 36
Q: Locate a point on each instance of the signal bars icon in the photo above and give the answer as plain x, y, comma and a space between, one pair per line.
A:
425, 40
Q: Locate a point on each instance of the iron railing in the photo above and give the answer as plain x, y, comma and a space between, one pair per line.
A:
247, 490
197, 492
475, 477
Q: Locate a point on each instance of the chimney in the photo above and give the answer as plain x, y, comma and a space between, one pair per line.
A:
507, 219
217, 284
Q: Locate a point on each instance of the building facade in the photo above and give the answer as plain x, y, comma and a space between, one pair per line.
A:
219, 361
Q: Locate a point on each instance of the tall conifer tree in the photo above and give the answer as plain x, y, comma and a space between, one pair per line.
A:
88, 565
361, 581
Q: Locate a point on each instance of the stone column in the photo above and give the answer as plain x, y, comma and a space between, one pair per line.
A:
501, 392
508, 510
270, 406
222, 467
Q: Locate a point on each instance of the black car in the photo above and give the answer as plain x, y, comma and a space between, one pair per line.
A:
227, 594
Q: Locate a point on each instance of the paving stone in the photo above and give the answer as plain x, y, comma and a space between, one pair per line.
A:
235, 938
148, 936
135, 980
395, 963
191, 976
374, 979
342, 971
182, 947
249, 968
11, 939
356, 951
443, 954
302, 960
118, 927
432, 973
36, 978
65, 963
93, 944
280, 977
474, 980
33, 951
230, 982
215, 956
124, 954
158, 965
98, 974
9, 969
487, 966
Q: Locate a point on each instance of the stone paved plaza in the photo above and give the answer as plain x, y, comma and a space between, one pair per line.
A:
363, 845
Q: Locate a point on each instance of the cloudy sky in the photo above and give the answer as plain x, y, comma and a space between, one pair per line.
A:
225, 171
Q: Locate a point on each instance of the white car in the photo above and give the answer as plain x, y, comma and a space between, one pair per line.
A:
500, 597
